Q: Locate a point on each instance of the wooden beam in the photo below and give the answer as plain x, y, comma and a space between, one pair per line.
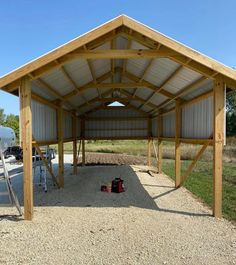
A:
194, 162
149, 85
218, 137
81, 89
94, 100
199, 61
72, 82
149, 152
83, 153
60, 135
113, 46
182, 92
45, 163
117, 118
119, 54
197, 99
42, 84
43, 101
74, 130
177, 145
137, 98
159, 132
26, 138
92, 72
155, 151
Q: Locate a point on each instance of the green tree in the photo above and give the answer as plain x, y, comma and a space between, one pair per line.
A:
12, 121
2, 117
231, 113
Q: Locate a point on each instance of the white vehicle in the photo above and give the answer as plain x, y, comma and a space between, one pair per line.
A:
7, 138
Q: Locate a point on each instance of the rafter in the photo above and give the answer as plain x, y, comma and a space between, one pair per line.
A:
69, 78
124, 92
149, 85
195, 66
146, 70
165, 82
183, 91
113, 46
78, 108
92, 71
125, 61
81, 89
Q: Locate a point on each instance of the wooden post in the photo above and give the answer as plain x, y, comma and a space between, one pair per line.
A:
60, 133
149, 141
83, 152
177, 144
159, 128
26, 138
83, 141
149, 152
218, 137
75, 160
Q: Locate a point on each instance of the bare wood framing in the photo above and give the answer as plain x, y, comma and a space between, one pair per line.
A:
46, 163
74, 129
149, 151
119, 54
194, 162
80, 90
26, 137
159, 133
177, 145
218, 137
182, 92
83, 152
149, 85
60, 129
200, 60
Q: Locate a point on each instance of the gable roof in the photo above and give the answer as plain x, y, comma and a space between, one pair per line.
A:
134, 25
122, 60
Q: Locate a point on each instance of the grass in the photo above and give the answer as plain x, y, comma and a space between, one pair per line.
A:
200, 182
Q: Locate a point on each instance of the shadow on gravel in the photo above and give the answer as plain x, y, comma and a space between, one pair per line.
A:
83, 190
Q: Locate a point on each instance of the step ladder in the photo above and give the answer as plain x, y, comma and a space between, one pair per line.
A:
10, 193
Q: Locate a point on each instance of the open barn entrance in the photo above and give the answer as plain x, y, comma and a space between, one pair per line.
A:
167, 92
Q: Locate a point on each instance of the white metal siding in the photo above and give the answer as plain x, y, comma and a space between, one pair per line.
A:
67, 128
78, 127
154, 127
114, 128
122, 128
169, 125
44, 119
197, 119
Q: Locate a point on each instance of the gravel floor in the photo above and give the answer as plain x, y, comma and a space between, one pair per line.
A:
150, 223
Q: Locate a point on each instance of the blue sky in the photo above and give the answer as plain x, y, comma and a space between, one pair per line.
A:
30, 28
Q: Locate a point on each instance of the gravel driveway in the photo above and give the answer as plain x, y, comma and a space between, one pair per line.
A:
150, 223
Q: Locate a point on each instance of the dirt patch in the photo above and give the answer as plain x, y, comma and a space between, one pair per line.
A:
112, 159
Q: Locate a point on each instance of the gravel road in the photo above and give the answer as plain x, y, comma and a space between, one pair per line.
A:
150, 223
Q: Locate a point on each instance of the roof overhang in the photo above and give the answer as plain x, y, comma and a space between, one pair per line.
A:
123, 58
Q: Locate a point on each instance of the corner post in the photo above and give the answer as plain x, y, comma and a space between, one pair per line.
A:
74, 128
60, 135
83, 141
218, 137
149, 141
26, 137
159, 133
177, 144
